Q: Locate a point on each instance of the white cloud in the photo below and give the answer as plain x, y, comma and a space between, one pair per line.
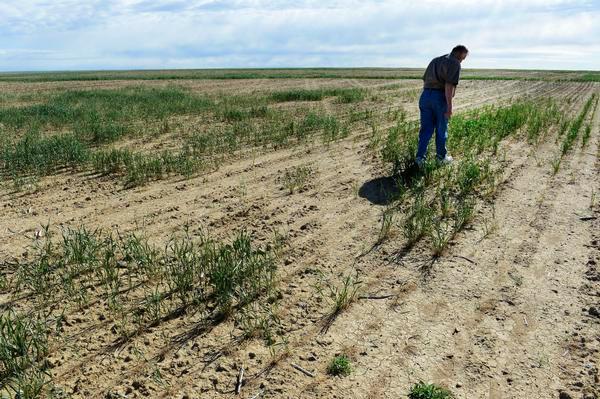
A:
68, 34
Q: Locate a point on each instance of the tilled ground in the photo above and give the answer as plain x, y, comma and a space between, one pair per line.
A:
513, 314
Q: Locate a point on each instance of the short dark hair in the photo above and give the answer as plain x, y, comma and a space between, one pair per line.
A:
460, 49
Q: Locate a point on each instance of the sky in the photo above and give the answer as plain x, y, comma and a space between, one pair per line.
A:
41, 35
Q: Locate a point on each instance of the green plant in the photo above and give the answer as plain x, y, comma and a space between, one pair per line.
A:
422, 390
296, 178
351, 95
586, 135
35, 154
154, 304
103, 115
344, 95
35, 275
441, 233
564, 125
434, 198
298, 95
29, 384
464, 213
183, 267
340, 366
23, 349
139, 254
343, 295
490, 224
188, 273
387, 221
237, 272
260, 321
445, 201
418, 221
140, 168
400, 146
235, 114
556, 165
375, 137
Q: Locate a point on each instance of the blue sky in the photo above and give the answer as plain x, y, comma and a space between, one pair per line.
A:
159, 34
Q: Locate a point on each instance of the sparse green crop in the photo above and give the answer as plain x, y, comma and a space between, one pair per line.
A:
569, 131
575, 127
151, 296
196, 272
344, 95
296, 179
23, 349
439, 201
34, 154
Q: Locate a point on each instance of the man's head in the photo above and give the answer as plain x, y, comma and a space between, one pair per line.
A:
460, 52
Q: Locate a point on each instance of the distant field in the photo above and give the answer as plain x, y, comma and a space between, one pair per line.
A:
314, 73
163, 233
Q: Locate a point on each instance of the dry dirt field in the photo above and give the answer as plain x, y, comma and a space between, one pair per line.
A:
503, 304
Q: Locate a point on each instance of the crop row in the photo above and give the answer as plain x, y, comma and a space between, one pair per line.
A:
571, 129
247, 125
37, 155
344, 95
105, 115
140, 285
438, 201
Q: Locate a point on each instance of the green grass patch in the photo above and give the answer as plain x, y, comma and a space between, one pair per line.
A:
590, 77
344, 95
298, 95
354, 95
77, 123
35, 154
588, 129
104, 115
340, 366
139, 169
422, 390
23, 351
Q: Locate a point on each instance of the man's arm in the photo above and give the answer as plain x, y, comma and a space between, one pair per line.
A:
452, 77
449, 90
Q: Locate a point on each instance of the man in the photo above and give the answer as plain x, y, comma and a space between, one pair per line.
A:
435, 105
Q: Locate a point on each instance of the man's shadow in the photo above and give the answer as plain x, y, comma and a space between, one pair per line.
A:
384, 190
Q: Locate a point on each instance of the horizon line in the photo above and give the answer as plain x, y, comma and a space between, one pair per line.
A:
43, 71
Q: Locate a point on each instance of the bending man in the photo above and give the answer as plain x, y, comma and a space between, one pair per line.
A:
435, 105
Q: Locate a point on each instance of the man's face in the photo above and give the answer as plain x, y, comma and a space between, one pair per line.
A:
461, 56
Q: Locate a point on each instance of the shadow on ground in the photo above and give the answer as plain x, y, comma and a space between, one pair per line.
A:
380, 191
383, 190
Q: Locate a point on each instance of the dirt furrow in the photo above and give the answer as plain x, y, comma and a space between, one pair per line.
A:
496, 313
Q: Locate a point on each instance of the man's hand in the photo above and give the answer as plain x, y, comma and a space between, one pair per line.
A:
448, 113
449, 92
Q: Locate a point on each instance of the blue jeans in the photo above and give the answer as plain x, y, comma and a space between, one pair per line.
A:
432, 105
